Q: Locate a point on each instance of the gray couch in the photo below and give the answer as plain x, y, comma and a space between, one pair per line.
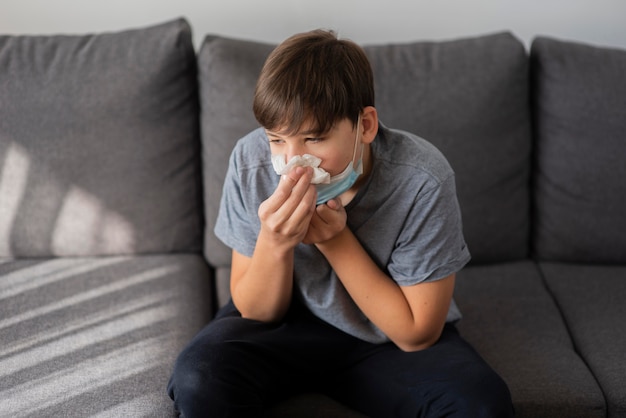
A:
113, 148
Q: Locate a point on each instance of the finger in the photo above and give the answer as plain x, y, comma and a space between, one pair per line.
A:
305, 208
323, 213
316, 220
291, 223
331, 213
285, 188
296, 223
329, 208
292, 214
292, 194
334, 203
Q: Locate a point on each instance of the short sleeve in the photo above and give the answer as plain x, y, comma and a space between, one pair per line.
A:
236, 224
431, 245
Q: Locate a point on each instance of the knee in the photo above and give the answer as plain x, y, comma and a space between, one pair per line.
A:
208, 379
189, 383
199, 362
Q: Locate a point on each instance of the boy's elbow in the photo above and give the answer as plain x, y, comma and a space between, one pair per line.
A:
418, 341
263, 314
267, 317
410, 346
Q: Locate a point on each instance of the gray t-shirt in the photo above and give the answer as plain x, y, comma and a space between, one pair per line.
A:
406, 216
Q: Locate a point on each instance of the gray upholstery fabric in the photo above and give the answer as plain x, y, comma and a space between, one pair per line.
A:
222, 285
96, 336
469, 97
592, 300
579, 102
227, 72
513, 322
99, 143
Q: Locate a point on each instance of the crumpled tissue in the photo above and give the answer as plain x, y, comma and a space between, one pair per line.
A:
281, 167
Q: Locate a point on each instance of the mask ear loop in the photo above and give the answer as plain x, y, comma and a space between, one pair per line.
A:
359, 168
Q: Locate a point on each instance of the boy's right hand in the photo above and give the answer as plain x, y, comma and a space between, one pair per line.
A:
286, 214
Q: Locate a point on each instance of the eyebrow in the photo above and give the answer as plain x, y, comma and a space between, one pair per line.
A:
300, 133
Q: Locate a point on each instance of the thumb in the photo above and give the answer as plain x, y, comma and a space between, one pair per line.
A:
334, 203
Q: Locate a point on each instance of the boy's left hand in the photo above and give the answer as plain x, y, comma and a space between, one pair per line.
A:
328, 220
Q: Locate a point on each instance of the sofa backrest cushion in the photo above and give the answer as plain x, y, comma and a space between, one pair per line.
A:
99, 143
579, 102
227, 72
469, 97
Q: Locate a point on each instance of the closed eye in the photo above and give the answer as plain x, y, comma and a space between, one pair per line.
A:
314, 139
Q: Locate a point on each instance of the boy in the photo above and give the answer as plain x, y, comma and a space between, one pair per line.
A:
343, 263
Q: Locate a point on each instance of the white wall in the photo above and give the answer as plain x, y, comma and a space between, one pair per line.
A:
601, 22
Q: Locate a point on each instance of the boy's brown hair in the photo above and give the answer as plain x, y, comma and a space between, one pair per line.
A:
313, 77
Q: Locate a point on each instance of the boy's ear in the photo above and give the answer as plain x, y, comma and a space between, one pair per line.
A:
369, 124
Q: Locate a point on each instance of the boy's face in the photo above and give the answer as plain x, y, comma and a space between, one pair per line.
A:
336, 148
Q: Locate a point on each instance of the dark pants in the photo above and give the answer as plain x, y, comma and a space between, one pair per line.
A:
237, 367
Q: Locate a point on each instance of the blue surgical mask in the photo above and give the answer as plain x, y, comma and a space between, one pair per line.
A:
343, 181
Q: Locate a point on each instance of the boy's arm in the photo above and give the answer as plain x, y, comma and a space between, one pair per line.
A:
411, 316
261, 285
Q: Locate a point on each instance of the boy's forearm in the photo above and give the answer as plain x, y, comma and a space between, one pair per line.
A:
263, 292
377, 295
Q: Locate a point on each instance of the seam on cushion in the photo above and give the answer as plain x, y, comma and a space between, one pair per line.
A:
539, 266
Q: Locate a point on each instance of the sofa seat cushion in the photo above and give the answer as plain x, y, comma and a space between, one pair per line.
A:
579, 104
513, 322
592, 299
99, 143
96, 336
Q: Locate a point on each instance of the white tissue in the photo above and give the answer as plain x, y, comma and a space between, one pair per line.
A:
320, 176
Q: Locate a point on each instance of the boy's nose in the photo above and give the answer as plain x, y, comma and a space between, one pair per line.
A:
294, 150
